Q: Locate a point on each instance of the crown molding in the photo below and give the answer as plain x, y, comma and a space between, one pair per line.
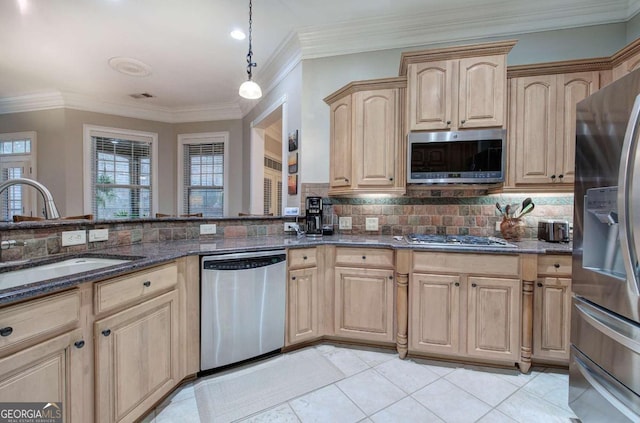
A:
456, 24
634, 8
59, 100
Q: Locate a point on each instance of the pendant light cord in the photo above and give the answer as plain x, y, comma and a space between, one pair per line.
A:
250, 64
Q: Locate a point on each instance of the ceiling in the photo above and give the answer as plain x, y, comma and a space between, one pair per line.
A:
55, 53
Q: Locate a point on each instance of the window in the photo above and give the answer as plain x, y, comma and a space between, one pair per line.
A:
202, 174
272, 186
121, 170
17, 160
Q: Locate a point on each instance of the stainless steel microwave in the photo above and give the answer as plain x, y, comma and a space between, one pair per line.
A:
456, 157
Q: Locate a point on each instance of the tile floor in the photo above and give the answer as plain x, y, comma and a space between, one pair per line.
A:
379, 387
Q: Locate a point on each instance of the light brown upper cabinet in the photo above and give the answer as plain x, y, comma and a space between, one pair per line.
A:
626, 60
456, 88
542, 128
366, 149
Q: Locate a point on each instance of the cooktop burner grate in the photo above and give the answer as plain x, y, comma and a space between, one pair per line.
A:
469, 240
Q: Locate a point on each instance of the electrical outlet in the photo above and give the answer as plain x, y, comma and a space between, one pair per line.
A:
344, 223
371, 224
497, 226
73, 238
290, 226
98, 235
208, 229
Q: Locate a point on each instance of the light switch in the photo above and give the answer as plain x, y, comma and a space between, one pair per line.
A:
371, 224
344, 223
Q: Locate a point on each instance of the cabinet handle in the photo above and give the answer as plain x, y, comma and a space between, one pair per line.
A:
474, 285
79, 344
6, 331
553, 176
293, 278
556, 265
539, 284
106, 332
304, 258
147, 283
457, 284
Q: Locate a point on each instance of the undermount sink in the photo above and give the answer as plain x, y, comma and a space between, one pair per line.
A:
58, 269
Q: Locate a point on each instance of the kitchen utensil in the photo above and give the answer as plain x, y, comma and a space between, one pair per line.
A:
506, 210
499, 208
514, 208
526, 210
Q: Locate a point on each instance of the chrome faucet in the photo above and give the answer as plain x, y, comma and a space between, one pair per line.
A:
50, 209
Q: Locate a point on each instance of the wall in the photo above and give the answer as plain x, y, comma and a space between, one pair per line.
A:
291, 87
633, 28
60, 160
321, 77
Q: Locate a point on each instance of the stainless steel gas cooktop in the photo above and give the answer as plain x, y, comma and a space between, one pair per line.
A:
457, 240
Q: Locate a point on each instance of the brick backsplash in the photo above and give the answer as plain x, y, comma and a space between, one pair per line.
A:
441, 211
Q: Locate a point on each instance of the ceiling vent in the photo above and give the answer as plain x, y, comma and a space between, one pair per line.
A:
138, 96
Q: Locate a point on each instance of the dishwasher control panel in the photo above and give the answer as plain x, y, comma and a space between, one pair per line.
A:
243, 263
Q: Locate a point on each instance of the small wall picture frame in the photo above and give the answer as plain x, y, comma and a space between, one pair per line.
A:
293, 162
292, 184
293, 140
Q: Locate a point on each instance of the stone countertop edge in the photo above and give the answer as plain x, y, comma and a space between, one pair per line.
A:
149, 254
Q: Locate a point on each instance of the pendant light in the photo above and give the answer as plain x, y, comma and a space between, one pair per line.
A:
249, 89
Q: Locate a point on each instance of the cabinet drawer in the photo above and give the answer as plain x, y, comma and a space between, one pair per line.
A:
302, 257
22, 322
554, 265
476, 264
116, 292
364, 257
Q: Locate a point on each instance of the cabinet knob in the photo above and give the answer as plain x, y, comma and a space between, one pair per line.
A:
463, 121
560, 176
390, 277
556, 265
364, 257
448, 122
539, 284
147, 283
79, 344
474, 285
293, 278
391, 179
106, 332
553, 176
457, 284
346, 180
6, 331
304, 258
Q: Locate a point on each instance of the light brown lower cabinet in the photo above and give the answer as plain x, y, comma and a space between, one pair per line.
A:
136, 358
302, 305
552, 309
49, 371
364, 304
462, 314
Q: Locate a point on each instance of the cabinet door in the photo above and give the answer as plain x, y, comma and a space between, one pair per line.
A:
136, 360
375, 137
431, 95
493, 320
572, 88
535, 129
626, 67
46, 372
483, 92
364, 304
435, 314
340, 143
552, 321
302, 305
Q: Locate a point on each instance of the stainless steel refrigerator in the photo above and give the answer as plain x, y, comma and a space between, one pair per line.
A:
604, 378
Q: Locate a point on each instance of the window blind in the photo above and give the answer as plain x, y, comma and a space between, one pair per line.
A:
12, 201
203, 190
121, 178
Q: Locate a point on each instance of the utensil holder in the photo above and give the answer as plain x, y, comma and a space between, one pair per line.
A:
512, 228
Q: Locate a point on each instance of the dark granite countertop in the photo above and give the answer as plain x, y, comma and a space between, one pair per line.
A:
149, 254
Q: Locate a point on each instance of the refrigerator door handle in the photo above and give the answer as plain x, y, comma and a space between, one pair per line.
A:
605, 385
628, 195
616, 329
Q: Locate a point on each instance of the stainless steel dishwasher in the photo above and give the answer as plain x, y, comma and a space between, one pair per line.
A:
242, 306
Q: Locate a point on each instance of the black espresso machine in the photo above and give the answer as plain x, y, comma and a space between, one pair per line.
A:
313, 217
